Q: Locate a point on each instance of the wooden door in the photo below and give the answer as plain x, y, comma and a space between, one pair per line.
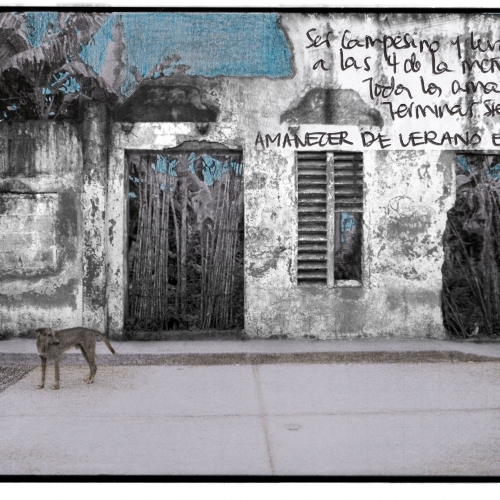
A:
185, 241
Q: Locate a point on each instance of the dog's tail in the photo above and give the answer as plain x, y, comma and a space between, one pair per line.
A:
106, 341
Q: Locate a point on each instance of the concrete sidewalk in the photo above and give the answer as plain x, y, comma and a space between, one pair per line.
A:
164, 415
207, 352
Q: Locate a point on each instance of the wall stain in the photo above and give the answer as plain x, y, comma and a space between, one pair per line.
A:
169, 102
333, 106
60, 296
259, 271
111, 231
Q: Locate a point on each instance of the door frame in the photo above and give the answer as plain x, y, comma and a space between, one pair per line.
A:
141, 138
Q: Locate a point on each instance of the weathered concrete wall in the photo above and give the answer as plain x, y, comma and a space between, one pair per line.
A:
408, 188
40, 226
407, 191
406, 196
403, 226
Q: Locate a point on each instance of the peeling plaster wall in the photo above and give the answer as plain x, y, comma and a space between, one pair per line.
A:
406, 195
41, 223
403, 227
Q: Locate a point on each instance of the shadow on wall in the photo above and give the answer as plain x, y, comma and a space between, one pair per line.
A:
169, 102
333, 106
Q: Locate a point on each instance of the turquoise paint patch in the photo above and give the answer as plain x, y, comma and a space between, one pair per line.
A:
462, 161
211, 44
494, 171
94, 53
160, 165
66, 84
348, 223
237, 167
70, 87
59, 78
37, 24
164, 164
191, 161
213, 169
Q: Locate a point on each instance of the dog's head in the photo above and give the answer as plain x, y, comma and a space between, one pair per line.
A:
47, 335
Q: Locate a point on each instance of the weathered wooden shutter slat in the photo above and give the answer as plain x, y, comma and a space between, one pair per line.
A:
346, 190
305, 209
355, 174
349, 181
309, 255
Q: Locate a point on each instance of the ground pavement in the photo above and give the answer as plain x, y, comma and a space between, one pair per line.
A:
255, 407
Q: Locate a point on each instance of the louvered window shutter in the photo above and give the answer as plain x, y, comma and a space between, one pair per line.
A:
330, 206
312, 216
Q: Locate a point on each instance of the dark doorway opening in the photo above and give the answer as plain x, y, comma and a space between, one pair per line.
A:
185, 241
471, 269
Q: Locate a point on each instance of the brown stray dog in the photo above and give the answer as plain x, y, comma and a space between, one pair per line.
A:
52, 344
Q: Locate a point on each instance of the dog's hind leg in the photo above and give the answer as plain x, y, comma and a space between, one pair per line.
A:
92, 373
56, 370
90, 357
44, 369
87, 359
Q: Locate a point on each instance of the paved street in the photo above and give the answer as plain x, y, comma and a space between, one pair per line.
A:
358, 418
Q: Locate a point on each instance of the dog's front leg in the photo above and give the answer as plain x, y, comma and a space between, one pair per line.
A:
56, 369
44, 368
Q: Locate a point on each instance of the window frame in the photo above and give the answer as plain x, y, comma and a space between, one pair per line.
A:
331, 282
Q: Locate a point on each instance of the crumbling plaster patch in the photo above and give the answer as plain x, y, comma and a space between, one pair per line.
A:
406, 225
52, 165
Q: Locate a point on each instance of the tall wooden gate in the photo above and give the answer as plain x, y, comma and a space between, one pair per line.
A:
185, 241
